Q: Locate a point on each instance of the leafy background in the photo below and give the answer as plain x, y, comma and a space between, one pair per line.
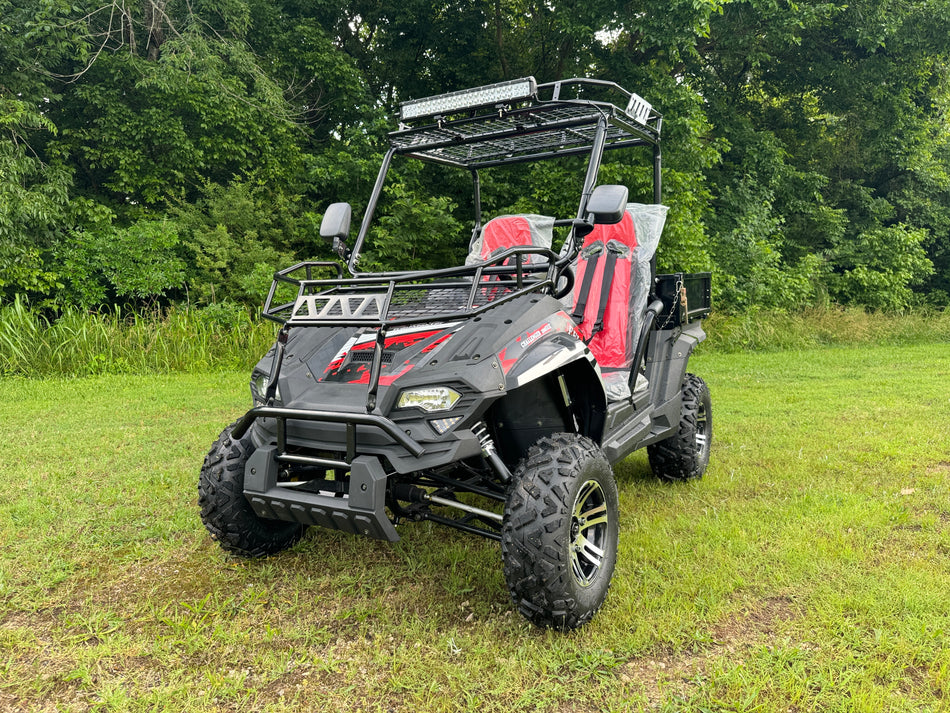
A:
164, 151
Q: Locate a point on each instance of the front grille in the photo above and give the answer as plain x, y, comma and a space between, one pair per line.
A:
365, 356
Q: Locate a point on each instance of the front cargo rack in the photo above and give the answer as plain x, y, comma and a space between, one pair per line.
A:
390, 300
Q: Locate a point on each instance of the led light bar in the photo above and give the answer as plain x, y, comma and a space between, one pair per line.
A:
442, 104
638, 109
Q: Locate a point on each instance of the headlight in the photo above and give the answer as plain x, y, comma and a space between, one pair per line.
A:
432, 398
259, 392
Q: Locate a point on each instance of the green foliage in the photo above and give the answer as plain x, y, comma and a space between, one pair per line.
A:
77, 343
836, 123
106, 263
33, 202
806, 147
235, 237
414, 233
150, 131
881, 266
67, 251
758, 330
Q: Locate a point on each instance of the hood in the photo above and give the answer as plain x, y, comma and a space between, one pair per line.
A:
403, 349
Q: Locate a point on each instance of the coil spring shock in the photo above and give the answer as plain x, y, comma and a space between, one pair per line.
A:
490, 452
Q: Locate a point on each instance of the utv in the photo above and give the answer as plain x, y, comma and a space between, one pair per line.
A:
494, 396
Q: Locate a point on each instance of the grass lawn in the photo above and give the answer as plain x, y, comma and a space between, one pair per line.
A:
809, 570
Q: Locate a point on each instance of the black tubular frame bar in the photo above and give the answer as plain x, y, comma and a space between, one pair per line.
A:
350, 419
485, 279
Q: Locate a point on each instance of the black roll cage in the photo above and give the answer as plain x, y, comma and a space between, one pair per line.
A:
542, 126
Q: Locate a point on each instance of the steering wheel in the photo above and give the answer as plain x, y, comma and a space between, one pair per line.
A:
567, 274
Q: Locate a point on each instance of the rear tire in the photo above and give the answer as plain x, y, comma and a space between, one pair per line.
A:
559, 532
225, 511
685, 455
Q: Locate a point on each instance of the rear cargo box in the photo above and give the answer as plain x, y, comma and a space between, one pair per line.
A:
686, 297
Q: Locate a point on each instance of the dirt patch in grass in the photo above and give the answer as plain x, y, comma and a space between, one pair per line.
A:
744, 628
33, 621
677, 674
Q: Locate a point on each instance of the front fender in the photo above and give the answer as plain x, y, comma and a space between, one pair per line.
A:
547, 345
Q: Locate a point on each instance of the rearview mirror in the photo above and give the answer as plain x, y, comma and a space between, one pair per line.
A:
607, 204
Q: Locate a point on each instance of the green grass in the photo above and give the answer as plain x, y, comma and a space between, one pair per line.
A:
808, 571
218, 337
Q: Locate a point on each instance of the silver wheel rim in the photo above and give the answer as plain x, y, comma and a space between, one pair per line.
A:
702, 430
588, 532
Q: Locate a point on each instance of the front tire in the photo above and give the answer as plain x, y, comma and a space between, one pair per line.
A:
225, 511
560, 530
685, 454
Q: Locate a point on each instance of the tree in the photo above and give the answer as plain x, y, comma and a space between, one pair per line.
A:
833, 114
166, 142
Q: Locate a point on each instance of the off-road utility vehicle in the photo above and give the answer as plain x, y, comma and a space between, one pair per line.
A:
494, 396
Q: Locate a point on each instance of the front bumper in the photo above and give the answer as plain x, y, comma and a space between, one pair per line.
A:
361, 510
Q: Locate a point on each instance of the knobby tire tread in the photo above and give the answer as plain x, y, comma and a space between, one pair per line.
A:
677, 457
536, 532
225, 511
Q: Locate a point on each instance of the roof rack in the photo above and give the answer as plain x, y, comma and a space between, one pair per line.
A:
521, 120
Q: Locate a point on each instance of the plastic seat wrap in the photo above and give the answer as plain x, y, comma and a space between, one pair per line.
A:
508, 231
611, 286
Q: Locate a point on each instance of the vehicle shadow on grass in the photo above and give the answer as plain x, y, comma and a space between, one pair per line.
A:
634, 473
447, 574
448, 578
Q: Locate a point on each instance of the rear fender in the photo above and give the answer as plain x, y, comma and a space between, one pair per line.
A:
667, 358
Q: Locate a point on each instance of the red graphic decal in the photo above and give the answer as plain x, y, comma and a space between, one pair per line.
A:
386, 380
437, 342
407, 340
505, 362
336, 363
400, 340
397, 342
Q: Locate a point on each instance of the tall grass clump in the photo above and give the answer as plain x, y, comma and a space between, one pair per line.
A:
180, 339
813, 327
228, 336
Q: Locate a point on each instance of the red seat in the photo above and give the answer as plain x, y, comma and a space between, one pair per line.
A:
607, 261
508, 231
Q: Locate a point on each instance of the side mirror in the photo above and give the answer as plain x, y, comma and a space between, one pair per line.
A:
336, 225
336, 221
607, 204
